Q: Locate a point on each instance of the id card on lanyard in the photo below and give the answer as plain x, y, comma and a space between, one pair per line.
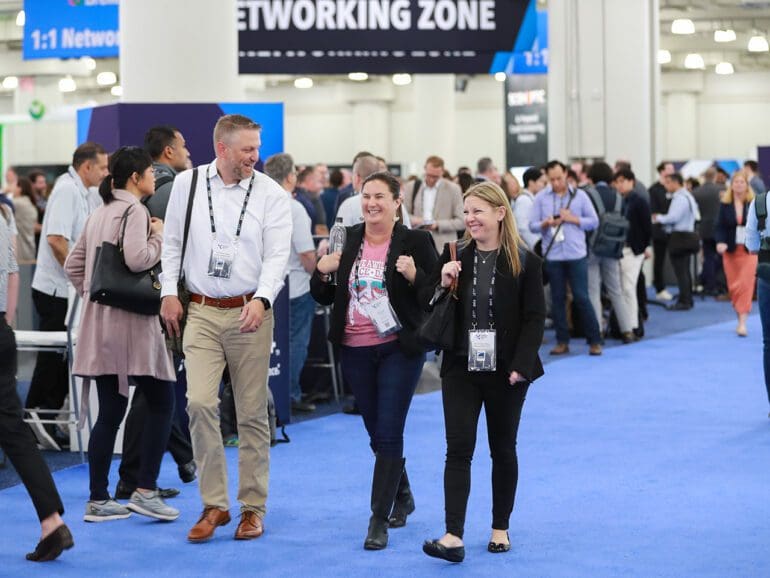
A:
482, 343
379, 310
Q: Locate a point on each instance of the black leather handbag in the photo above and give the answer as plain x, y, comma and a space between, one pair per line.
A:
115, 285
685, 242
438, 329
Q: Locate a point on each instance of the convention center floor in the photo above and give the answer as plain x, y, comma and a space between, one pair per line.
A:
648, 461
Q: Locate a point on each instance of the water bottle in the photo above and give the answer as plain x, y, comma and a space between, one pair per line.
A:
337, 241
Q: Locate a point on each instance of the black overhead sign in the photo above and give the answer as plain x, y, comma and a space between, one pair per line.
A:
375, 36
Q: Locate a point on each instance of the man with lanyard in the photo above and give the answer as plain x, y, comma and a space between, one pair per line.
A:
563, 216
68, 208
234, 263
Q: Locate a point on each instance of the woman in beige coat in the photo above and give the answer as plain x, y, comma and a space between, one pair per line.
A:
114, 344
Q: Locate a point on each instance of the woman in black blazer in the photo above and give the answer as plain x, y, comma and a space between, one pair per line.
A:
500, 289
377, 310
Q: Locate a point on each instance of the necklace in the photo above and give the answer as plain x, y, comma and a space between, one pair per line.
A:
487, 253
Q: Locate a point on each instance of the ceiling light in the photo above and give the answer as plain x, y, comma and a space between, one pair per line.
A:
724, 68
116, 90
21, 18
67, 84
500, 76
303, 82
694, 62
402, 79
682, 26
89, 62
106, 78
10, 82
758, 44
724, 35
664, 57
358, 76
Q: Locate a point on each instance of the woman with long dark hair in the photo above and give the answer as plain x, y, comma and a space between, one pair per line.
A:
26, 213
499, 323
378, 307
115, 344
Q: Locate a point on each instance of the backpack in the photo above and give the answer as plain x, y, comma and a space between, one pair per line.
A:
760, 208
272, 418
609, 238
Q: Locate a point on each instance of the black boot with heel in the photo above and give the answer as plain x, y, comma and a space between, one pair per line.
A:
404, 503
387, 473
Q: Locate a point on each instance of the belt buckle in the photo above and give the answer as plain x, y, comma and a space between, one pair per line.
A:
220, 304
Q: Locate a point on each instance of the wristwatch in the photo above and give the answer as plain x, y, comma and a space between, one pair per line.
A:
265, 302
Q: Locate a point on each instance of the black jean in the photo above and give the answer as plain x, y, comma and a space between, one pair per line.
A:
681, 265
659, 247
712, 264
16, 438
463, 394
112, 408
50, 380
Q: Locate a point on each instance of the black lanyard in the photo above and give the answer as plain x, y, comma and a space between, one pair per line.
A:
561, 200
356, 282
474, 293
243, 209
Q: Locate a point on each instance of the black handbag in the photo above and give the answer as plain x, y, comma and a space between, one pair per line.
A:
115, 285
684, 242
438, 329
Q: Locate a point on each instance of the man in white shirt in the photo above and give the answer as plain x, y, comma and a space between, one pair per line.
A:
69, 206
234, 265
534, 181
302, 260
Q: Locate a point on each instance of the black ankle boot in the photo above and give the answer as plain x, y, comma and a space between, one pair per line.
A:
387, 473
404, 504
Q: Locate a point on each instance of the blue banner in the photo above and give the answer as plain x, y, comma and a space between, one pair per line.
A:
530, 52
70, 29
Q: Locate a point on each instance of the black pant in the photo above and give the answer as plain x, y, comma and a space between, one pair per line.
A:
16, 438
463, 394
659, 246
712, 264
112, 407
681, 264
641, 296
50, 380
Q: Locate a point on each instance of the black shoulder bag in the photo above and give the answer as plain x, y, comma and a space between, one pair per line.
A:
684, 242
438, 329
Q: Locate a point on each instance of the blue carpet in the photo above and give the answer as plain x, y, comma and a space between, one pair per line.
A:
649, 461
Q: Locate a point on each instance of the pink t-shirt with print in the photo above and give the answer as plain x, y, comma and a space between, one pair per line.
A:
359, 329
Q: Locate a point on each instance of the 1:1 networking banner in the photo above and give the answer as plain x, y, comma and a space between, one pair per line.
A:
70, 29
375, 36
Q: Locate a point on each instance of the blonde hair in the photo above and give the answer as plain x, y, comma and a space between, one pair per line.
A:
510, 241
728, 197
231, 123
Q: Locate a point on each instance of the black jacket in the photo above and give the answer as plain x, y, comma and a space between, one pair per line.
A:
727, 221
637, 211
707, 197
410, 302
519, 311
659, 204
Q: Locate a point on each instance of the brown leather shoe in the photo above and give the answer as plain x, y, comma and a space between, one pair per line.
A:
560, 349
595, 349
208, 522
250, 526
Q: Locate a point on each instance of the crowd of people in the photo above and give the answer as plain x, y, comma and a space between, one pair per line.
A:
566, 243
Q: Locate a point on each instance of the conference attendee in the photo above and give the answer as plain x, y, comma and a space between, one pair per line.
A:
563, 215
511, 186
708, 198
26, 214
500, 319
349, 190
434, 203
16, 439
534, 181
168, 149
302, 262
69, 206
730, 235
308, 192
330, 194
637, 211
755, 179
487, 171
379, 300
681, 217
350, 210
722, 177
660, 200
7, 192
115, 344
234, 265
639, 187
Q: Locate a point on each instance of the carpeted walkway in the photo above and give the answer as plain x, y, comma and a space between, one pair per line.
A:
649, 461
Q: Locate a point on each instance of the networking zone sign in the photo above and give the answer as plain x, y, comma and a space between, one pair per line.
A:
375, 36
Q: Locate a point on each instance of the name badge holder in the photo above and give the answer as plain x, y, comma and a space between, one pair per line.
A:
482, 343
740, 235
223, 254
379, 311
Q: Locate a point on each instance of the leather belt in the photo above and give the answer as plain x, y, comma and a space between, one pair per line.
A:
221, 302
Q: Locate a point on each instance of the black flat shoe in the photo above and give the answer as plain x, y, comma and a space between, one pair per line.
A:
496, 548
50, 547
123, 491
436, 549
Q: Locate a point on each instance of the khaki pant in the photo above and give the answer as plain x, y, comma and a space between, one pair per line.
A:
211, 339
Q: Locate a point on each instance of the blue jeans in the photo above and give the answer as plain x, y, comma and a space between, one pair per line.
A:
763, 298
301, 312
383, 380
576, 272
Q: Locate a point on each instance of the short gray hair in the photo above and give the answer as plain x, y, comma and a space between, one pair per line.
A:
365, 166
279, 167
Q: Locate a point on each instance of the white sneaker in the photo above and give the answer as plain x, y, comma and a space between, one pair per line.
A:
664, 295
152, 505
102, 511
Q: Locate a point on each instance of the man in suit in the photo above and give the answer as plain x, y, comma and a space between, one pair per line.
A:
435, 203
487, 171
660, 200
707, 196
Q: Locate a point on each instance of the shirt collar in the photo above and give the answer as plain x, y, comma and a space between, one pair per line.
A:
212, 173
78, 181
124, 195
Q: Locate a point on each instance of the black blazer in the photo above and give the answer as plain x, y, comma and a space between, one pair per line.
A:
727, 221
637, 211
410, 302
519, 311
